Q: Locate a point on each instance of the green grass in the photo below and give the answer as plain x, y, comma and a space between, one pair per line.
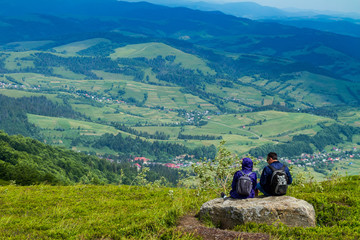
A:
240, 140
73, 48
152, 50
18, 94
125, 212
336, 206
67, 74
84, 128
246, 94
169, 97
61, 131
25, 45
93, 212
350, 116
14, 60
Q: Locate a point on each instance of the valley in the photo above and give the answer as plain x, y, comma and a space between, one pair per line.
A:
177, 85
119, 118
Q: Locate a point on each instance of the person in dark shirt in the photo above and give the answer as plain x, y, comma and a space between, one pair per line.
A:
265, 179
247, 167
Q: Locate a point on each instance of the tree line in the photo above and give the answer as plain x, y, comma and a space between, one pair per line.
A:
199, 137
157, 135
13, 118
160, 151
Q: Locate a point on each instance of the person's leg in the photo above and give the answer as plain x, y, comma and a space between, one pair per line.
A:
258, 186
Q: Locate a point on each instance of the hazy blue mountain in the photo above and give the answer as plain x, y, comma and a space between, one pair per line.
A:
338, 25
341, 23
337, 55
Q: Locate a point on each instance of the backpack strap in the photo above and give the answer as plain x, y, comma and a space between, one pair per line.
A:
248, 175
274, 169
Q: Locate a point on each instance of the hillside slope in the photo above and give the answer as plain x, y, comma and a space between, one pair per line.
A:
87, 211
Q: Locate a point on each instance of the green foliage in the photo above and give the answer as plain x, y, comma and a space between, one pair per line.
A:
28, 161
13, 113
216, 174
94, 212
157, 149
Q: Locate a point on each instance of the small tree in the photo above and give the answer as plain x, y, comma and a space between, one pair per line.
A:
216, 174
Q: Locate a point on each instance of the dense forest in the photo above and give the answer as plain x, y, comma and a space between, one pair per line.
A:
13, 118
27, 161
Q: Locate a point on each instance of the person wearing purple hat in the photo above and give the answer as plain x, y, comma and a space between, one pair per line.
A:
247, 167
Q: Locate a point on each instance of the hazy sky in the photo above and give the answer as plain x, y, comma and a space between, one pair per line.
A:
323, 5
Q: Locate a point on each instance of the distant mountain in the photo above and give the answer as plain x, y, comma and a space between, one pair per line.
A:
337, 55
341, 23
345, 26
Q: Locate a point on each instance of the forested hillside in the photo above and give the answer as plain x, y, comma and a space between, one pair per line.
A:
26, 162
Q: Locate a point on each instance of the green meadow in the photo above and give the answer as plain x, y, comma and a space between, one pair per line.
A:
152, 50
93, 212
24, 46
134, 212
75, 47
84, 128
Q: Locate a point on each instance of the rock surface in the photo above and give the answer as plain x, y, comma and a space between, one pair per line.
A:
229, 212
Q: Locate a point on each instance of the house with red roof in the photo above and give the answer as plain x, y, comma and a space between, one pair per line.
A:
142, 159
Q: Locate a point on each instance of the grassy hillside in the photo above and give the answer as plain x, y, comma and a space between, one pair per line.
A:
123, 212
75, 47
151, 50
93, 212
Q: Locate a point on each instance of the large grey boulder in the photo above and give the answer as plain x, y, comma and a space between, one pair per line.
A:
229, 212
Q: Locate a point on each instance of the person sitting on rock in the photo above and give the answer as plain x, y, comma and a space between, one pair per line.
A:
244, 181
274, 184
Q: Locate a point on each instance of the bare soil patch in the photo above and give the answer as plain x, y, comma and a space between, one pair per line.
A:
190, 224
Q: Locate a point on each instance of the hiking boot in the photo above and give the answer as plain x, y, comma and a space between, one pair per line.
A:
223, 195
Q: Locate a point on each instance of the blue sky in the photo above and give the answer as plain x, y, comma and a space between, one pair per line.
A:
321, 5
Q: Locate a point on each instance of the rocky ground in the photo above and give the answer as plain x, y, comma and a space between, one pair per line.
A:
191, 224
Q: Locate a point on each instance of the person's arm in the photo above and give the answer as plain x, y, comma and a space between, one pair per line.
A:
289, 175
263, 177
254, 180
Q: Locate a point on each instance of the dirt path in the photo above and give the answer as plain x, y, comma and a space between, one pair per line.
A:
191, 224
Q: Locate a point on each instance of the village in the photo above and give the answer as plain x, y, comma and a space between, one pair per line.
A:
335, 155
314, 160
